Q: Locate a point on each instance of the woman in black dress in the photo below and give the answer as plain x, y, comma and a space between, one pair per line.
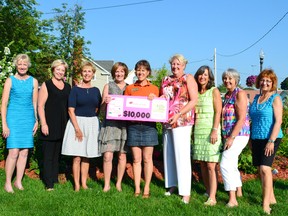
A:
53, 114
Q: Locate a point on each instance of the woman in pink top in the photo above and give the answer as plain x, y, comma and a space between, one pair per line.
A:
181, 90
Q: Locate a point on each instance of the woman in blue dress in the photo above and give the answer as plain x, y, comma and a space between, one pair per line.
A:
19, 119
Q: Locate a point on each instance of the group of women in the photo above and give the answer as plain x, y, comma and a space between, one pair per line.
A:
70, 126
258, 123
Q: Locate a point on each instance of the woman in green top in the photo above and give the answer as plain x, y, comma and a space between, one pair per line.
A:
207, 131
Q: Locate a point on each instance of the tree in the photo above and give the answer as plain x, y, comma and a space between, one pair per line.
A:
159, 75
222, 88
70, 45
77, 59
21, 25
6, 66
284, 84
43, 40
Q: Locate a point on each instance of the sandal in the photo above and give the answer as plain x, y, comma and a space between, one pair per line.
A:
170, 191
136, 194
231, 205
146, 196
185, 201
267, 211
210, 202
18, 187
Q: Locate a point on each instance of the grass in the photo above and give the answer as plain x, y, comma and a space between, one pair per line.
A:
64, 201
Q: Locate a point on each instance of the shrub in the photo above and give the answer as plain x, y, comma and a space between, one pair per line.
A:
245, 161
283, 148
2, 143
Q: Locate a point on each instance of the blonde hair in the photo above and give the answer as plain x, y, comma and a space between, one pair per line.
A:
58, 62
88, 64
22, 57
180, 58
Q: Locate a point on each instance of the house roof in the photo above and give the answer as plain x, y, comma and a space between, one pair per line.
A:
104, 65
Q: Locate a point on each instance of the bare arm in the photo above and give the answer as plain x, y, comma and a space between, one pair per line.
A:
105, 98
42, 98
217, 105
35, 97
193, 94
240, 110
278, 110
4, 104
78, 132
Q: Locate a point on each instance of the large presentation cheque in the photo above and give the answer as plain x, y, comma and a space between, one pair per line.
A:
137, 108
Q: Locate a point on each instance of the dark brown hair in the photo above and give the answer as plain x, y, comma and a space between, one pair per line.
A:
143, 63
201, 71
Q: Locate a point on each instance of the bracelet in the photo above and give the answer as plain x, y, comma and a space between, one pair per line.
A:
180, 113
271, 141
233, 137
215, 129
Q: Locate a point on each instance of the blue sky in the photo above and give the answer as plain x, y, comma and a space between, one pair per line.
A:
156, 30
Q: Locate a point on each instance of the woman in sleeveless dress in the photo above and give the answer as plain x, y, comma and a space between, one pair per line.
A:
181, 90
53, 114
19, 119
207, 131
266, 134
113, 133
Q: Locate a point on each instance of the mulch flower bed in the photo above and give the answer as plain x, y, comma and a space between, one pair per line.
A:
280, 164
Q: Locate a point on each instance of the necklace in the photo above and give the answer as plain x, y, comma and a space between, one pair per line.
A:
20, 77
228, 99
85, 86
261, 106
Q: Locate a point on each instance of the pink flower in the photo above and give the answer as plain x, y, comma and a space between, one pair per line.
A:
251, 80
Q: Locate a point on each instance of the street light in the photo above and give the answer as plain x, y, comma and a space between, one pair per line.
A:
261, 56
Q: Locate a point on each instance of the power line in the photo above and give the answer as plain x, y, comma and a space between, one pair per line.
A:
112, 6
201, 60
257, 40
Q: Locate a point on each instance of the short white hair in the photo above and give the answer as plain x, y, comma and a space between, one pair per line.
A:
230, 72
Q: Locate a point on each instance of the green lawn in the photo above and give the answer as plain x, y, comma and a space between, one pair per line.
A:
64, 201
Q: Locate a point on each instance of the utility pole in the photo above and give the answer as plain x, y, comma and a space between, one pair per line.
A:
215, 69
261, 57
